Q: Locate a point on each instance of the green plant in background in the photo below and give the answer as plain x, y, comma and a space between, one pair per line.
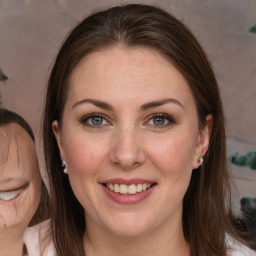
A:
253, 29
245, 160
248, 208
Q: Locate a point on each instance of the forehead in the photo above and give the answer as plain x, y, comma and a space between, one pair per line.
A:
127, 73
122, 60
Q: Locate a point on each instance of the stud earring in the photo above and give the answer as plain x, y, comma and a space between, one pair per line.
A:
201, 160
64, 164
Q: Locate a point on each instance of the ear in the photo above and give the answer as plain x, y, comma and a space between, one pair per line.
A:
57, 134
203, 141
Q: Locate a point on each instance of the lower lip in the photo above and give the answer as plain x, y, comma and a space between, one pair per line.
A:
127, 198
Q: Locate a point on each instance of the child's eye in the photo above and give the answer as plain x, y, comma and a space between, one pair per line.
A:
95, 120
9, 195
160, 120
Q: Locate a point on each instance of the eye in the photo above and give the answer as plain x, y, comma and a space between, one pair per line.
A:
9, 195
161, 120
95, 120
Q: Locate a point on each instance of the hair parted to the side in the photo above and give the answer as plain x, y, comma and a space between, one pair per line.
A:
205, 219
8, 117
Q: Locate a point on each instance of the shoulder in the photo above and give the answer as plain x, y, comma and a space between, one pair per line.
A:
236, 248
38, 240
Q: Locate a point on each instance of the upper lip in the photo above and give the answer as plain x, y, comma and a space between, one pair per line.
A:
127, 181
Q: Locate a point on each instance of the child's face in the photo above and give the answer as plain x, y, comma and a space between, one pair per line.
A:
20, 181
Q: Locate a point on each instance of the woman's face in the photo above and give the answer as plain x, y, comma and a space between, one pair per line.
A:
20, 181
130, 138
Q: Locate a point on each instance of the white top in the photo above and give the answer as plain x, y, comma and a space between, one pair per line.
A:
34, 235
34, 238
238, 249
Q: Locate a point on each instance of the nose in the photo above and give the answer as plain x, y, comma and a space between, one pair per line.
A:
127, 151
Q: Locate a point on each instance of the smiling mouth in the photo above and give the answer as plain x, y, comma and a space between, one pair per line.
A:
129, 189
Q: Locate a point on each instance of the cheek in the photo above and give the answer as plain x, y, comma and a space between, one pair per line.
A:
85, 158
31, 199
84, 155
17, 213
174, 155
34, 195
2, 222
174, 161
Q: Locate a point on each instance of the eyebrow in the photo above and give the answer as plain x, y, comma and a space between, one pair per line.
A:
159, 103
98, 103
146, 106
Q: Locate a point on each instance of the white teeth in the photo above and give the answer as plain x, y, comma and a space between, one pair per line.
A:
123, 189
132, 189
6, 196
116, 188
128, 189
139, 187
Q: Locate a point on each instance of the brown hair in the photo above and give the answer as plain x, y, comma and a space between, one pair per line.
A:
8, 117
205, 219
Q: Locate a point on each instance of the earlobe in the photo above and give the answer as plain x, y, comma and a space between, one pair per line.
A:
56, 131
203, 141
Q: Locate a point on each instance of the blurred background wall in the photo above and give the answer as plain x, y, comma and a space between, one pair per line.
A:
31, 32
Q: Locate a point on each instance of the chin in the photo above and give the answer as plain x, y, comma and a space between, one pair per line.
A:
130, 232
128, 226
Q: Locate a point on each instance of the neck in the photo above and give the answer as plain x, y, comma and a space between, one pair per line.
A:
162, 242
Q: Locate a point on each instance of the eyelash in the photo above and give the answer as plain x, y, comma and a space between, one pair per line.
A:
91, 116
168, 118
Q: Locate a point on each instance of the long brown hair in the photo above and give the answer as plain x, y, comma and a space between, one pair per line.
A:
205, 219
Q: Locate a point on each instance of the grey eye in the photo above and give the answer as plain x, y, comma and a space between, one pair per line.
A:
160, 120
97, 120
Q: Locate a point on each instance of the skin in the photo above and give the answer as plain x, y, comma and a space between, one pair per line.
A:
19, 170
128, 144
